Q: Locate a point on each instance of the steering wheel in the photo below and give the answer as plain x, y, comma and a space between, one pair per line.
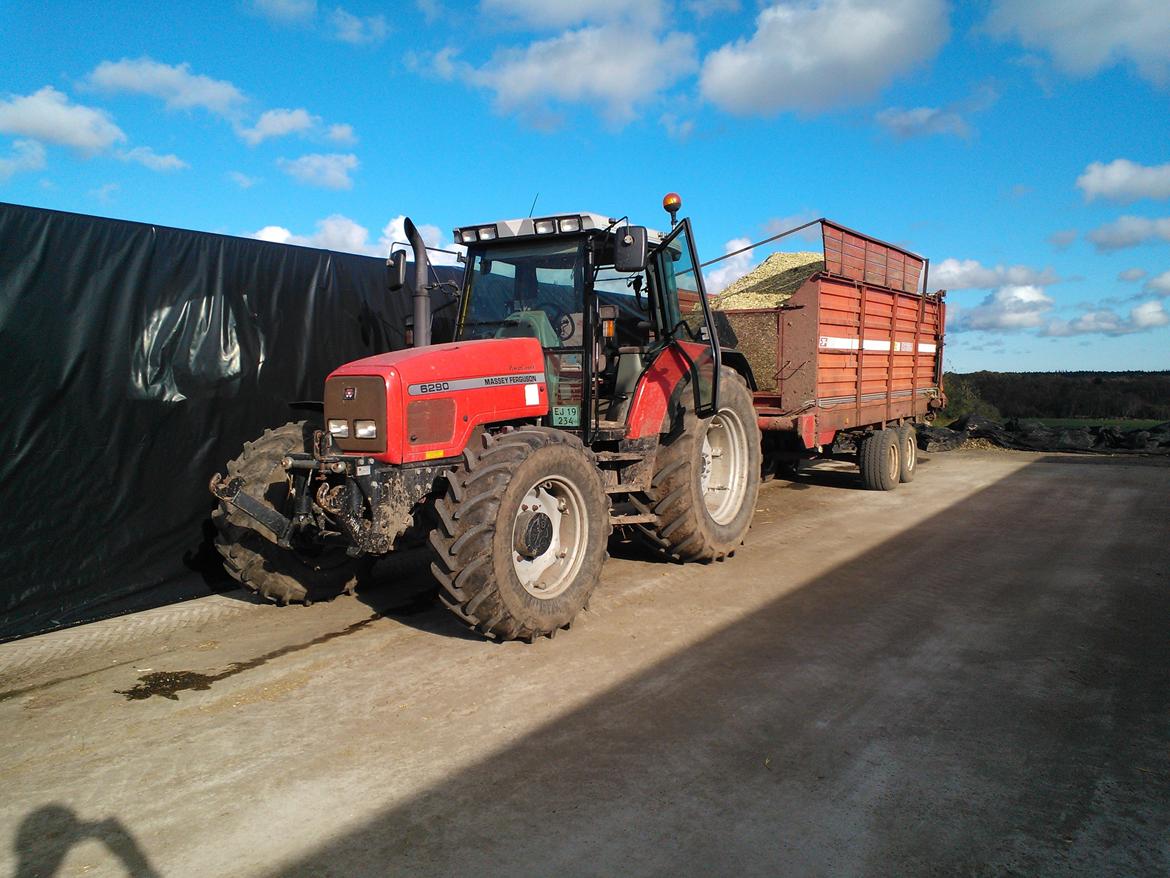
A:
562, 321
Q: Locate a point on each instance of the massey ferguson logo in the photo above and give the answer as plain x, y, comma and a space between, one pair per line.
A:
349, 393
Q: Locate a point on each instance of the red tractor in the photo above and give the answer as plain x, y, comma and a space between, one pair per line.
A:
585, 389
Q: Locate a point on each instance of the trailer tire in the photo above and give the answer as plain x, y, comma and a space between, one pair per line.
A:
250, 553
694, 522
879, 460
907, 452
521, 533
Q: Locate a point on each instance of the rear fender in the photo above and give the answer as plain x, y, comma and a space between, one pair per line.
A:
657, 386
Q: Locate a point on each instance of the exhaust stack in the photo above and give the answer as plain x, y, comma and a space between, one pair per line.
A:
422, 295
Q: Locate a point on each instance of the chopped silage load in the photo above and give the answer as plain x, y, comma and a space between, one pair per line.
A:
770, 283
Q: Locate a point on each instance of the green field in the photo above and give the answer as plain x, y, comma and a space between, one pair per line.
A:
1119, 423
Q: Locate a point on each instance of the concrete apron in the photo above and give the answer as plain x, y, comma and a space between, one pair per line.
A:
929, 676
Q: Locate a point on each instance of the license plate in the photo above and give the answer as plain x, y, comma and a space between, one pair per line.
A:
566, 415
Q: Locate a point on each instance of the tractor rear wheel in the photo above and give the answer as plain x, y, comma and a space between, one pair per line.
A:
311, 571
707, 478
521, 533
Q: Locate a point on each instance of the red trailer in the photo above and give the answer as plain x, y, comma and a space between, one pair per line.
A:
854, 358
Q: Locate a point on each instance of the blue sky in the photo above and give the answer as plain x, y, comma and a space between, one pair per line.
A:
1023, 146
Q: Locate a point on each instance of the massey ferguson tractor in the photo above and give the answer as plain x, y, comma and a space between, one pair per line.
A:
585, 389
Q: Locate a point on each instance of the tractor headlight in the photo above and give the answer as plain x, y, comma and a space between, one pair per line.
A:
487, 233
545, 226
338, 428
469, 236
571, 224
365, 429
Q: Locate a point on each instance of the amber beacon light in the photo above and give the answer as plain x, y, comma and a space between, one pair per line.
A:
671, 202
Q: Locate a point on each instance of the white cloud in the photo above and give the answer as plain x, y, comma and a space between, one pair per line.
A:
432, 10
277, 123
1160, 285
1124, 181
340, 233
969, 274
27, 155
173, 83
1008, 309
330, 171
921, 122
1063, 239
779, 224
1105, 321
285, 11
105, 192
147, 157
1131, 275
1130, 231
613, 67
1148, 315
1084, 36
703, 8
811, 56
676, 128
49, 115
342, 134
556, 14
242, 180
731, 269
357, 30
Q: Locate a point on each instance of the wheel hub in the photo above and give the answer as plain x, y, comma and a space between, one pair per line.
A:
534, 534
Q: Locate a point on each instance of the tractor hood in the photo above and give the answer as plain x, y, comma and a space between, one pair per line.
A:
424, 403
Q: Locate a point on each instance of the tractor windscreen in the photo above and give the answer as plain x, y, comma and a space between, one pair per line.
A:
534, 289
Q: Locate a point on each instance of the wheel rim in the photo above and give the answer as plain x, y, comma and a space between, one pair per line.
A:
910, 453
892, 461
724, 466
549, 532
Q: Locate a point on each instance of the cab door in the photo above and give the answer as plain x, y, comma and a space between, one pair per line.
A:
689, 326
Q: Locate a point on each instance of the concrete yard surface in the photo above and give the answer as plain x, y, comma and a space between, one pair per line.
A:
967, 676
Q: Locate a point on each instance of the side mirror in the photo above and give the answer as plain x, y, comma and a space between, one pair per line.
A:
396, 271
629, 249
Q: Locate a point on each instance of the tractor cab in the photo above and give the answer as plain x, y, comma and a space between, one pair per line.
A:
604, 299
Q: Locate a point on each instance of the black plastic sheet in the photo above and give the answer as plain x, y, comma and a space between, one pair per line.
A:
136, 361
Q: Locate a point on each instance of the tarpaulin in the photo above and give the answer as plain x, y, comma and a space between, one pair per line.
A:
136, 361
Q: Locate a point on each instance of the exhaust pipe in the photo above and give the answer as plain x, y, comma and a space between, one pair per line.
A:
422, 295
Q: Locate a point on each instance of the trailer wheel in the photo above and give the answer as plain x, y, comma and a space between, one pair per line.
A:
879, 460
309, 572
521, 534
707, 478
907, 452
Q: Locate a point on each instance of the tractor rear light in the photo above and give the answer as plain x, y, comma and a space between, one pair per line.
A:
487, 233
339, 428
365, 430
545, 226
570, 224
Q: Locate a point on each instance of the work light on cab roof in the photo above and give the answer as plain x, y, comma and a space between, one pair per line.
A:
564, 224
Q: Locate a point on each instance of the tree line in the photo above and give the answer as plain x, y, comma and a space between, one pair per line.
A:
997, 395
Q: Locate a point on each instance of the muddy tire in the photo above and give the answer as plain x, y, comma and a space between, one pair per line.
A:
707, 478
251, 556
907, 453
521, 533
879, 460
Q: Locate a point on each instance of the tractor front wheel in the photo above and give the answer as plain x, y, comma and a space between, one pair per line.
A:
311, 570
521, 533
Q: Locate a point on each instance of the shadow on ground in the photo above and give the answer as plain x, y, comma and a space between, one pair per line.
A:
47, 835
1004, 714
